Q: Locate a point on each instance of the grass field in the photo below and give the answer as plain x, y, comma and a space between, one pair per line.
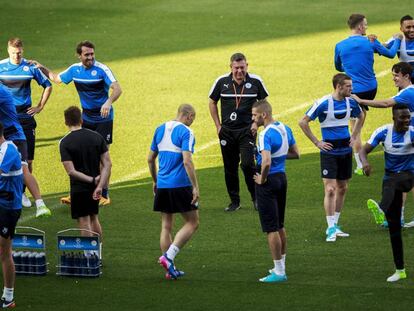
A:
167, 52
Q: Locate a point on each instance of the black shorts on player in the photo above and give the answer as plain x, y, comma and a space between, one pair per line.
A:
8, 221
369, 95
22, 147
271, 202
103, 128
82, 204
29, 128
174, 200
336, 166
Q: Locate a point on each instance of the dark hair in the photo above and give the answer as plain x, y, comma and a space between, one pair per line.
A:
404, 68
85, 43
237, 57
406, 18
398, 107
73, 116
15, 42
1, 129
263, 106
339, 78
354, 20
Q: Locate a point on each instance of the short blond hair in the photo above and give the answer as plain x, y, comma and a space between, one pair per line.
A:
185, 109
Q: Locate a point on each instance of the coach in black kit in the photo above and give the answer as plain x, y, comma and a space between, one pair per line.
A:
238, 91
85, 156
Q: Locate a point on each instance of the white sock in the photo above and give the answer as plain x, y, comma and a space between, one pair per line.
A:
39, 202
357, 160
172, 251
279, 269
337, 217
331, 221
8, 293
402, 213
284, 261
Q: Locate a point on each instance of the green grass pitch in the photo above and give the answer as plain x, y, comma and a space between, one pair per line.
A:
164, 53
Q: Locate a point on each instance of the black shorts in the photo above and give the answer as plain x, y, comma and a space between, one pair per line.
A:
103, 128
370, 95
31, 141
271, 202
8, 221
82, 204
174, 200
22, 147
392, 183
336, 166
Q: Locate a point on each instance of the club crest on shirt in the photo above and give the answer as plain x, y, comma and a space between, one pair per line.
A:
94, 72
25, 68
248, 85
325, 172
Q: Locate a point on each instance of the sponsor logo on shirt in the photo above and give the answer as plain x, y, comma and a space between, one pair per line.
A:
226, 85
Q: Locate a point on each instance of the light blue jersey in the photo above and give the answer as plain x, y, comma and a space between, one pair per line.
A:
276, 138
17, 78
406, 97
333, 116
8, 116
170, 140
405, 51
355, 57
11, 177
92, 85
398, 148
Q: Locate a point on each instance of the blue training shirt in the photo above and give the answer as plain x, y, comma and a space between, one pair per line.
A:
406, 97
11, 177
170, 140
92, 85
8, 116
333, 116
18, 78
355, 57
398, 147
276, 138
405, 51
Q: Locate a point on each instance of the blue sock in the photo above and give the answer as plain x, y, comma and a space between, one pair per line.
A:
105, 192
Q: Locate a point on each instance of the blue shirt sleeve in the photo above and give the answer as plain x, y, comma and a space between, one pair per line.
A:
66, 76
313, 112
187, 140
387, 52
7, 159
156, 139
291, 138
40, 78
403, 98
108, 76
355, 108
337, 60
378, 136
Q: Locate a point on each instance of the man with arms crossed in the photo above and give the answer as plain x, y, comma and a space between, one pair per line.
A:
355, 56
11, 187
276, 144
93, 81
334, 112
398, 142
237, 92
16, 73
175, 184
85, 157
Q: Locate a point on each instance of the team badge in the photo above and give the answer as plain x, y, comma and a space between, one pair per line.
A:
325, 172
5, 230
25, 68
248, 85
223, 142
233, 116
94, 72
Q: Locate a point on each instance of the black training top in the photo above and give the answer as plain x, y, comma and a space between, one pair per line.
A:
233, 95
84, 148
